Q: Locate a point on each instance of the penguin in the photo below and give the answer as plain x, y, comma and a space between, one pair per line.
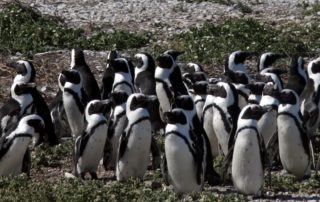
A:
235, 61
200, 137
20, 103
185, 157
310, 97
274, 74
89, 146
267, 125
108, 75
256, 89
268, 59
90, 84
135, 142
123, 79
294, 143
189, 79
297, 78
14, 146
74, 101
116, 127
200, 90
249, 157
240, 80
197, 68
225, 113
168, 80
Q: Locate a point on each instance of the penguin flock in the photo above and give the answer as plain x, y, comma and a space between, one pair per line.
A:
255, 121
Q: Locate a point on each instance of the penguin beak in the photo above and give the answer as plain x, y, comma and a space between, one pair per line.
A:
20, 68
107, 105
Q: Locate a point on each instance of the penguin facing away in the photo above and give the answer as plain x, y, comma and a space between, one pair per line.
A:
89, 146
108, 75
134, 150
123, 79
14, 146
249, 155
74, 101
294, 143
185, 158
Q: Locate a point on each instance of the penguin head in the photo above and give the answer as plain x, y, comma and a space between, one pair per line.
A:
236, 58
18, 89
175, 116
297, 65
251, 114
313, 67
289, 101
144, 62
195, 67
173, 53
70, 76
271, 90
198, 76
33, 125
267, 59
119, 65
256, 88
217, 90
237, 77
98, 107
200, 87
184, 102
77, 58
139, 100
113, 54
119, 97
25, 71
166, 61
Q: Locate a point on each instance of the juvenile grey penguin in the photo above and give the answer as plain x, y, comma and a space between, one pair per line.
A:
294, 143
74, 101
184, 156
133, 157
89, 146
13, 147
249, 155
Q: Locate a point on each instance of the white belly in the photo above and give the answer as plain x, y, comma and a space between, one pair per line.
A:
292, 153
93, 152
247, 171
75, 117
220, 130
181, 165
163, 97
135, 160
199, 108
208, 127
267, 125
11, 162
242, 101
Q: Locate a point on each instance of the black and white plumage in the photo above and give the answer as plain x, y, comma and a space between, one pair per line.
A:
108, 75
297, 79
133, 157
256, 89
274, 74
13, 147
90, 145
124, 75
200, 91
236, 61
294, 143
249, 156
184, 157
268, 59
74, 101
25, 71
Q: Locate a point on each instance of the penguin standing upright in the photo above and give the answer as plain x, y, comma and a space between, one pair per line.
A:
235, 61
133, 156
249, 155
200, 90
123, 79
267, 59
297, 79
74, 101
89, 146
184, 156
294, 143
14, 146
225, 113
108, 75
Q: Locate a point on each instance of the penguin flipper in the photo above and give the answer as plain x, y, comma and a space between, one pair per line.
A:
5, 146
76, 155
123, 144
226, 164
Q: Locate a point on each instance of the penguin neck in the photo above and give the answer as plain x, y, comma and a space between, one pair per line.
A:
74, 87
268, 100
182, 129
275, 78
292, 109
22, 128
24, 100
93, 119
163, 73
119, 109
247, 123
136, 114
237, 67
141, 69
122, 77
223, 102
254, 98
22, 79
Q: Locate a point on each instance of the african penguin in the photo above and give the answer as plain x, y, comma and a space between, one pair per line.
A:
90, 84
123, 79
297, 79
235, 61
256, 89
294, 143
184, 156
89, 146
200, 90
108, 75
74, 101
135, 142
274, 74
268, 59
14, 146
225, 113
249, 155
25, 71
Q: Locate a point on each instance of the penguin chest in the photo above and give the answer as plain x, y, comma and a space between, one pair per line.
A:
135, 160
267, 125
199, 107
222, 128
119, 127
93, 152
247, 170
126, 87
208, 127
164, 98
11, 162
181, 165
74, 115
292, 153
